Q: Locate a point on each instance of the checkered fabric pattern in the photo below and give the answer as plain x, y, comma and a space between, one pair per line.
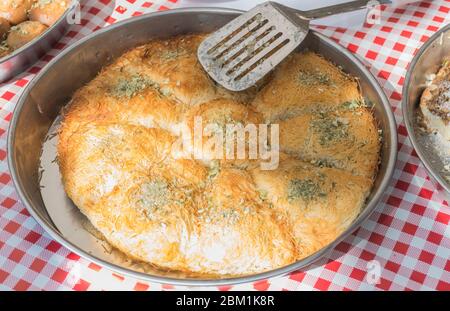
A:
406, 242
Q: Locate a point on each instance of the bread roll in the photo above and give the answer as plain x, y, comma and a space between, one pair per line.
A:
23, 33
48, 12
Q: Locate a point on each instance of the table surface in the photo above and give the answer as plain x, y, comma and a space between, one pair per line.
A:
405, 244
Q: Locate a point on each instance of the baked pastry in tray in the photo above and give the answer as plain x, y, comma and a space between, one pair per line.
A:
221, 217
435, 103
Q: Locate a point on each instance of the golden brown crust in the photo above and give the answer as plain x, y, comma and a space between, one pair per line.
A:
48, 12
15, 11
4, 50
317, 203
172, 64
4, 28
346, 139
118, 97
303, 83
23, 33
215, 115
215, 217
166, 211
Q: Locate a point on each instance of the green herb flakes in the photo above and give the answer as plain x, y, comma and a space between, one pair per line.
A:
314, 78
330, 129
171, 55
305, 189
262, 194
154, 194
214, 170
356, 104
131, 87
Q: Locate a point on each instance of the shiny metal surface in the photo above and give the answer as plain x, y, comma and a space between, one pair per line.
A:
427, 61
246, 49
53, 86
22, 58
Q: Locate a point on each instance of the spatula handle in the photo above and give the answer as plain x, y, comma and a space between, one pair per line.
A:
339, 8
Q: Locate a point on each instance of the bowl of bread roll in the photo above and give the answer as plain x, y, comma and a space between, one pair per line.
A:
28, 28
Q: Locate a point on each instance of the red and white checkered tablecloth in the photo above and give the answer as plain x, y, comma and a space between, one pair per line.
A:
406, 240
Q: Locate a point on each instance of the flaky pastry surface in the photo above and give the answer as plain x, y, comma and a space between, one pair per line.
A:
219, 217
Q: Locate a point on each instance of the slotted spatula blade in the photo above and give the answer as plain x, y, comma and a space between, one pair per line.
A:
246, 49
242, 52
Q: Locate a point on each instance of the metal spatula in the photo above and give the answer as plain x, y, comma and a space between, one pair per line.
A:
246, 49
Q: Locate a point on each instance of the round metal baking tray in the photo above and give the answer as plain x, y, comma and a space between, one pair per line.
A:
426, 62
16, 62
53, 87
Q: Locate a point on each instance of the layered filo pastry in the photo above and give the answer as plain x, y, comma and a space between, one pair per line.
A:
190, 210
